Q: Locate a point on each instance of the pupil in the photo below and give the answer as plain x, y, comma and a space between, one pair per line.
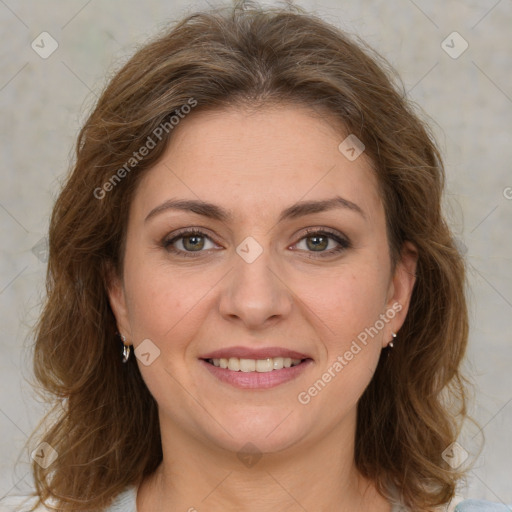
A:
318, 242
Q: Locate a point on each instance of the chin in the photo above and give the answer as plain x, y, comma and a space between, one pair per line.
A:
253, 429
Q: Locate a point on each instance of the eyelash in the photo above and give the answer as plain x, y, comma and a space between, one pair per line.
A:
343, 243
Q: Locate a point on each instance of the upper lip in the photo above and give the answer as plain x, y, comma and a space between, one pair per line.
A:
253, 353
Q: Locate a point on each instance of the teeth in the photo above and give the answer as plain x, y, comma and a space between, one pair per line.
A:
255, 365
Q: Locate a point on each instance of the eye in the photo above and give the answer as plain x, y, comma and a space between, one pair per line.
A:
323, 242
188, 242
193, 242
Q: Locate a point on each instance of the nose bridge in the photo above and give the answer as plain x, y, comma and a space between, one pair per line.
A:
254, 292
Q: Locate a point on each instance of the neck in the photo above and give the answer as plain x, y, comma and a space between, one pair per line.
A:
319, 475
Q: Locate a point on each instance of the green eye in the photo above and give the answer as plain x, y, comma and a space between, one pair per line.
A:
193, 242
323, 242
317, 243
186, 243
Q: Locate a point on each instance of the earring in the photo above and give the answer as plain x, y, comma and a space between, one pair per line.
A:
126, 349
390, 344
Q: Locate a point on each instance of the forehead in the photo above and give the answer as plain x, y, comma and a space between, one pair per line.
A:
260, 161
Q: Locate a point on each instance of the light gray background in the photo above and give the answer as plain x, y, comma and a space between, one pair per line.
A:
43, 102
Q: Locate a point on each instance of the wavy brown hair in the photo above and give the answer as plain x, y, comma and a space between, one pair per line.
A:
104, 425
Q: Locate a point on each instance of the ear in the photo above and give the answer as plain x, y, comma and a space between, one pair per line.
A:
401, 288
117, 299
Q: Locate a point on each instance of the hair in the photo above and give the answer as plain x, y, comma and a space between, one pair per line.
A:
104, 422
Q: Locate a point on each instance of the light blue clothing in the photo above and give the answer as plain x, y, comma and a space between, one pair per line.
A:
126, 502
481, 506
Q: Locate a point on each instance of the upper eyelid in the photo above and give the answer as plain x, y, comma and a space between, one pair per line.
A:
181, 233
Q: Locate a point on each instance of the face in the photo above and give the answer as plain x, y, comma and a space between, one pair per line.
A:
254, 244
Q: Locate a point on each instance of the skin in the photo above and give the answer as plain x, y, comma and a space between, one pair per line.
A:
256, 164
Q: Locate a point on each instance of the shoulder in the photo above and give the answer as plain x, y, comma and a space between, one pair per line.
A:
20, 503
459, 504
481, 506
124, 502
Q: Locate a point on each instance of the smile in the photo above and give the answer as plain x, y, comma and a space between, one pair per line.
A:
268, 364
255, 374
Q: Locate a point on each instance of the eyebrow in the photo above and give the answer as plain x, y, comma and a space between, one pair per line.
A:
218, 213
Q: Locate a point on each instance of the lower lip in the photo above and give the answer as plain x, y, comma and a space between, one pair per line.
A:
257, 380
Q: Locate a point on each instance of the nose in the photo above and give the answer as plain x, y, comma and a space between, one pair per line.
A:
255, 294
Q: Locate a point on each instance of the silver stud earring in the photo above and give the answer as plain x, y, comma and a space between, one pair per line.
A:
390, 344
126, 349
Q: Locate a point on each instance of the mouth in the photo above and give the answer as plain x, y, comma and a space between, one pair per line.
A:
255, 369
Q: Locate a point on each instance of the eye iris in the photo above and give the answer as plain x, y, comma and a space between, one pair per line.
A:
196, 244
319, 242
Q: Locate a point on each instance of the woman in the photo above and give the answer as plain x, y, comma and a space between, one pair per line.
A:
254, 300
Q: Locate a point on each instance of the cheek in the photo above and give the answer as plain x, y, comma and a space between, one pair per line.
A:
347, 306
351, 348
347, 301
161, 298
